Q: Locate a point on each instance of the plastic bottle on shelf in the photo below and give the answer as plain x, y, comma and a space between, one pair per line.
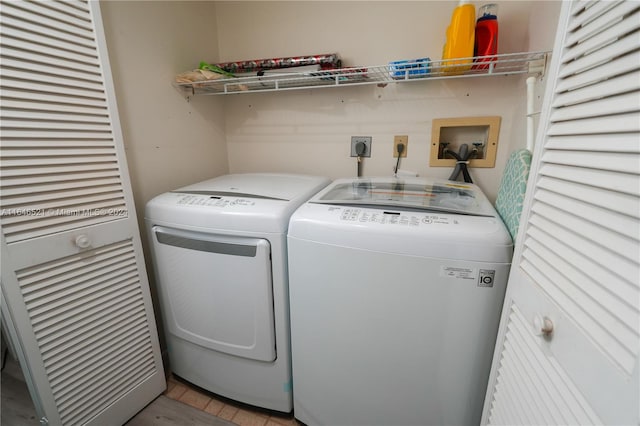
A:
486, 35
460, 39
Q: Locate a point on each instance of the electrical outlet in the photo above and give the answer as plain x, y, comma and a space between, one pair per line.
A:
400, 140
367, 143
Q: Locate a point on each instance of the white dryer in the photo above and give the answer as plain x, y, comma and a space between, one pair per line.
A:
396, 288
219, 252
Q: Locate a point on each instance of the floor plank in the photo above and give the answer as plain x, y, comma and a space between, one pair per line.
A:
167, 412
17, 408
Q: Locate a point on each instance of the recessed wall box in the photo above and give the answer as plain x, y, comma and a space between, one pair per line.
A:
477, 132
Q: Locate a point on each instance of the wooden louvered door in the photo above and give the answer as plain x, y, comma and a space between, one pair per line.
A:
567, 349
73, 278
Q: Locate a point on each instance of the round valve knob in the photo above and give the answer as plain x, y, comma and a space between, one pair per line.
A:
83, 241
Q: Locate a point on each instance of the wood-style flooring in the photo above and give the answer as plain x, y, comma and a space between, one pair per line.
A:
16, 408
237, 413
181, 404
168, 412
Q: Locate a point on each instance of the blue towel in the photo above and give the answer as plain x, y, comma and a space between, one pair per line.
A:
512, 189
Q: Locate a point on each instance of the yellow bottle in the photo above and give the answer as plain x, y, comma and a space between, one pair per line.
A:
460, 39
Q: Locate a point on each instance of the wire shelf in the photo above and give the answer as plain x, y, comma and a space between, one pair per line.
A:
482, 66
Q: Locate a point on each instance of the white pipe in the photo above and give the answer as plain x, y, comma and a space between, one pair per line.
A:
531, 86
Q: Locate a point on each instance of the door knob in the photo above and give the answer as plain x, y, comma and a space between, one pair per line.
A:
83, 241
543, 326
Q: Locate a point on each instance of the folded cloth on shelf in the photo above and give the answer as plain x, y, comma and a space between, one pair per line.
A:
200, 77
197, 75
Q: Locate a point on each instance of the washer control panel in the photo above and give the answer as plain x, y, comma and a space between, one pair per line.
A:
384, 217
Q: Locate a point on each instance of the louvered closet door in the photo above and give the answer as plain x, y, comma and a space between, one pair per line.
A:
73, 275
567, 349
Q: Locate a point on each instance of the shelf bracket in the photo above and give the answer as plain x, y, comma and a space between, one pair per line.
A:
539, 66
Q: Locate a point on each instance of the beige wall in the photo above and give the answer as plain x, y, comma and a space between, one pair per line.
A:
169, 141
309, 131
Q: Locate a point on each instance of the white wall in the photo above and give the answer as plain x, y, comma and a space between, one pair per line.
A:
309, 131
169, 141
172, 142
543, 22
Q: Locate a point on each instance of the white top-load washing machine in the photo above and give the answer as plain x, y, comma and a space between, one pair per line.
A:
396, 288
219, 252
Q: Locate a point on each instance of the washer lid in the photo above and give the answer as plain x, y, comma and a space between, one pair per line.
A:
270, 186
412, 193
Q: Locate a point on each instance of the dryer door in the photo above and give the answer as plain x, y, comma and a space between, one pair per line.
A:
216, 291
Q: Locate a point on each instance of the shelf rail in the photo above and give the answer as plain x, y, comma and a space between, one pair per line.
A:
533, 63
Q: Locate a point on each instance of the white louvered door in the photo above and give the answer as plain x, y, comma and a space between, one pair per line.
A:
73, 276
576, 269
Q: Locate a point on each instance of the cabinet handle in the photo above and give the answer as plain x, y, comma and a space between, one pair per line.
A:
83, 241
543, 326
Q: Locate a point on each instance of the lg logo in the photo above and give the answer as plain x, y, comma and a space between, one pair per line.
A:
485, 278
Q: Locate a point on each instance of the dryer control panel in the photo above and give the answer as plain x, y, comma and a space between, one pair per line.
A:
214, 201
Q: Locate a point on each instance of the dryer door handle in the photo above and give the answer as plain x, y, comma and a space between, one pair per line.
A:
208, 243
